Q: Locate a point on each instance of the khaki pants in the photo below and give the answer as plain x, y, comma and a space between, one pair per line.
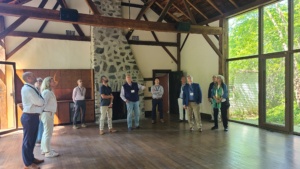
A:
194, 108
105, 111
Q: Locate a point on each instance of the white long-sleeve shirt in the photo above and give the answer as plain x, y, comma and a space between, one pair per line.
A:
122, 94
32, 101
50, 101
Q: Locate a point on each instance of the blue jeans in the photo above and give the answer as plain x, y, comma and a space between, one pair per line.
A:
133, 107
30, 124
40, 132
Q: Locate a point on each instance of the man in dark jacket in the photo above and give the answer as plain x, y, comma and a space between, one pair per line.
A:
192, 97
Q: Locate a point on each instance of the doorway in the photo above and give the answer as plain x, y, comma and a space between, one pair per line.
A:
8, 116
170, 80
275, 113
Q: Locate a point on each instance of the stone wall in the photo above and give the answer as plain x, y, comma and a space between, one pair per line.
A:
112, 55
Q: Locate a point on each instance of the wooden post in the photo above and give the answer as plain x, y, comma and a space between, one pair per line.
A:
178, 52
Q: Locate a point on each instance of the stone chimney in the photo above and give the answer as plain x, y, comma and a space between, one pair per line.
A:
112, 55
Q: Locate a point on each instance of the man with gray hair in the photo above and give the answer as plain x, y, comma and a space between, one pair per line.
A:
33, 105
192, 97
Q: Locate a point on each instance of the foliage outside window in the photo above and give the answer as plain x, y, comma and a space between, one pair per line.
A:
276, 27
243, 35
243, 90
296, 24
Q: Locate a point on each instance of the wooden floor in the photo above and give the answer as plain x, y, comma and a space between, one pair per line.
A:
170, 145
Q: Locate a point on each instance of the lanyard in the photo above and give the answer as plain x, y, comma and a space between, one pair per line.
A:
157, 88
81, 91
37, 92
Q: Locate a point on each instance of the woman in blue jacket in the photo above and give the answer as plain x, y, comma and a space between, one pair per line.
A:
220, 101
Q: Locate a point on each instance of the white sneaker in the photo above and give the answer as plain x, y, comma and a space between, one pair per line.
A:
43, 153
51, 154
83, 125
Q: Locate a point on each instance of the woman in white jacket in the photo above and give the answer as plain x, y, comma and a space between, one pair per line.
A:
47, 117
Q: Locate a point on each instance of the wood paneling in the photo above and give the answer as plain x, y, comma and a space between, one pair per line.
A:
66, 80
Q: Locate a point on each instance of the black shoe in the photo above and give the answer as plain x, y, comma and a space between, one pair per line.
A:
226, 129
180, 121
138, 127
214, 128
130, 129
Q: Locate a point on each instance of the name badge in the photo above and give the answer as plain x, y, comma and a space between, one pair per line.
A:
132, 91
192, 94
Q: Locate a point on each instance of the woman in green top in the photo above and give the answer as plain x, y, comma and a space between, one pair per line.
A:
220, 101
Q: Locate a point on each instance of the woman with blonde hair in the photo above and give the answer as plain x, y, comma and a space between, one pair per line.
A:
220, 101
47, 116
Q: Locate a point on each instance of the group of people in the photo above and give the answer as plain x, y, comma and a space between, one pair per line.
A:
40, 105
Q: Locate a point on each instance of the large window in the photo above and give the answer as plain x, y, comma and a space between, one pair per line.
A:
296, 24
243, 35
296, 82
243, 90
276, 27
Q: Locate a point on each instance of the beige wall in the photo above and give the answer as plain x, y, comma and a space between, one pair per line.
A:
200, 61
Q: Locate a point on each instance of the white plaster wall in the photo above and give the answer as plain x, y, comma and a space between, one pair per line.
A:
200, 61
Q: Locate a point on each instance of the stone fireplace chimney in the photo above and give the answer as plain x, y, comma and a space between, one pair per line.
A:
112, 55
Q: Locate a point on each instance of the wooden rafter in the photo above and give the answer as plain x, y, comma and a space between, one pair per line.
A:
215, 7
181, 11
132, 5
93, 20
233, 3
210, 42
92, 7
139, 16
192, 18
239, 10
165, 11
48, 36
185, 39
196, 9
18, 2
63, 4
19, 21
151, 43
29, 39
163, 46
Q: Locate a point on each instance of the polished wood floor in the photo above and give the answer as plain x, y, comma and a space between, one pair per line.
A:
170, 145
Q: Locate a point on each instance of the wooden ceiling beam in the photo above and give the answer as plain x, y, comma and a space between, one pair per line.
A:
192, 18
233, 3
131, 5
102, 21
214, 6
29, 39
165, 11
196, 9
139, 16
151, 43
239, 10
48, 36
92, 7
63, 4
19, 21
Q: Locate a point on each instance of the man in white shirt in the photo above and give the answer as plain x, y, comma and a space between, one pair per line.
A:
130, 95
78, 97
33, 105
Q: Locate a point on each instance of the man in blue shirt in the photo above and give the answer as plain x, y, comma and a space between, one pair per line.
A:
106, 106
192, 97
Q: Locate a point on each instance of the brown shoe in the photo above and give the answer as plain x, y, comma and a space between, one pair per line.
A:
32, 166
101, 132
37, 161
112, 130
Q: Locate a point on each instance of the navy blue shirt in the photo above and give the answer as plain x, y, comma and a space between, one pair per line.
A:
106, 90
